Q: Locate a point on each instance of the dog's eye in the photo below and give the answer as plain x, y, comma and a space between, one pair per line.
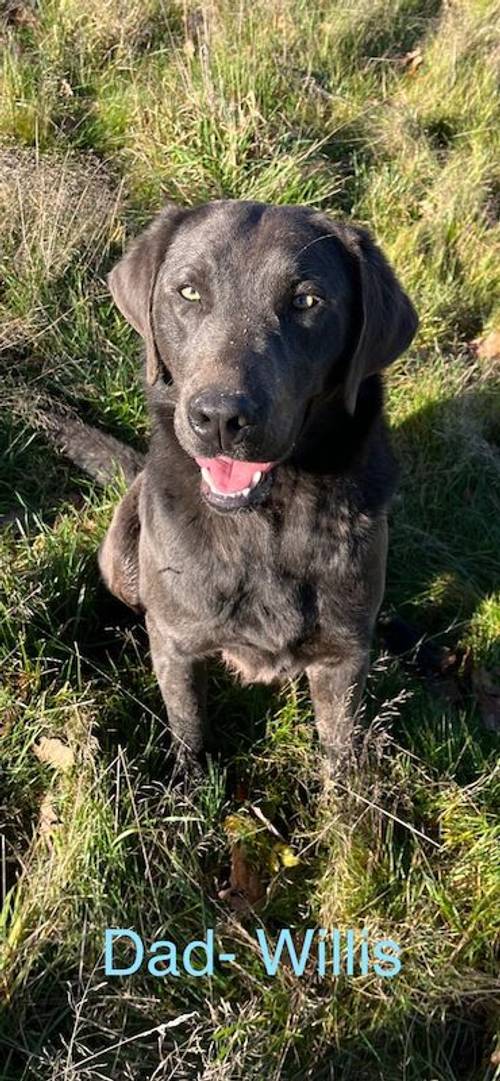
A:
189, 293
303, 301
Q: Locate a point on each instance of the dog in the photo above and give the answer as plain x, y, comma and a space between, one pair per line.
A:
257, 530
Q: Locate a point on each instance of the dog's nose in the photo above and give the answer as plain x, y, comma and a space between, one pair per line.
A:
221, 420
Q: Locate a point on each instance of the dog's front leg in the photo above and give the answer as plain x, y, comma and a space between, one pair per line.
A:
182, 681
336, 691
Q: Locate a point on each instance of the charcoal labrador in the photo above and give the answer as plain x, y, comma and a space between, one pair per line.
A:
257, 530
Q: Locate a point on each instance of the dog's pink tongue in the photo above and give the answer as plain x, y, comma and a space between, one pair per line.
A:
231, 476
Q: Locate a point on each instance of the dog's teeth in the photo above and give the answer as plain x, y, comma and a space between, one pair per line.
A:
228, 495
255, 479
208, 480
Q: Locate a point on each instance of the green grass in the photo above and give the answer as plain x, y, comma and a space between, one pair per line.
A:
105, 110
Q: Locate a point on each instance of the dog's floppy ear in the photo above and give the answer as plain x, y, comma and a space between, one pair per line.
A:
386, 318
132, 280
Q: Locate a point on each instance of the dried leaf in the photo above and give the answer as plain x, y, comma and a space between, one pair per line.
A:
488, 347
413, 60
53, 752
246, 888
446, 671
65, 89
486, 687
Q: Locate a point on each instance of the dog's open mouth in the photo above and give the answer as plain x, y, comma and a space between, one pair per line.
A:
228, 484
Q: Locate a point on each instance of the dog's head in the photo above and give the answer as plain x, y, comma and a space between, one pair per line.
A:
254, 312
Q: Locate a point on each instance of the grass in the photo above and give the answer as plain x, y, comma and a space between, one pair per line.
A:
105, 110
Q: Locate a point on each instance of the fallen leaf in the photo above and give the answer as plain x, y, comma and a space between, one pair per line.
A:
446, 671
282, 855
495, 1058
412, 60
488, 347
65, 89
53, 752
287, 856
245, 888
403, 639
486, 687
450, 678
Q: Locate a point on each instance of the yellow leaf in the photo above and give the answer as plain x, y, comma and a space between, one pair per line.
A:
286, 855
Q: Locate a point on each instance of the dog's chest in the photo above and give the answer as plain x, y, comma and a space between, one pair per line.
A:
280, 619
274, 622
272, 597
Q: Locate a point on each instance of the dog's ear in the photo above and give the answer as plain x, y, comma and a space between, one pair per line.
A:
386, 320
133, 279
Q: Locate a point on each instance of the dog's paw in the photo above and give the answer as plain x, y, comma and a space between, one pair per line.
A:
189, 769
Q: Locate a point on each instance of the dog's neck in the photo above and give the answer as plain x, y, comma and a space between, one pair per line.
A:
332, 441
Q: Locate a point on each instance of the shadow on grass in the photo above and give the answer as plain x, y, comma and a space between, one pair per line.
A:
33, 1018
34, 479
384, 40
454, 1043
445, 524
456, 1047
